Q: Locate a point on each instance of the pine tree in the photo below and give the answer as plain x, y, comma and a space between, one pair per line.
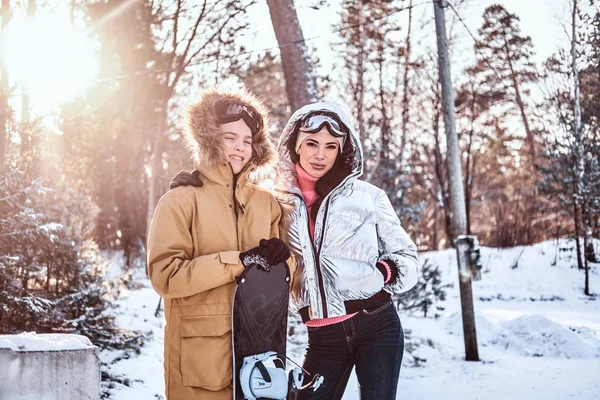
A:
505, 66
51, 274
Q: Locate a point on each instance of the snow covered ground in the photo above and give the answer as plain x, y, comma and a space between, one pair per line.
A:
538, 334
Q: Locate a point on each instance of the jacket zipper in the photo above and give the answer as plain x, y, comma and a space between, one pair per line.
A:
315, 253
318, 264
235, 204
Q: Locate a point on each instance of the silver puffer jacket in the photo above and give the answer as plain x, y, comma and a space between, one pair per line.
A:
355, 227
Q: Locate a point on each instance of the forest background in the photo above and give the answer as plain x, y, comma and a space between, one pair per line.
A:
92, 94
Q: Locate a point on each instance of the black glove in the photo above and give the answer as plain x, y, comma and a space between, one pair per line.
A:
184, 178
267, 253
255, 256
275, 251
383, 270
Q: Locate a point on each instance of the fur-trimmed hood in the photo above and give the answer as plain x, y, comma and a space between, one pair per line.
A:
203, 136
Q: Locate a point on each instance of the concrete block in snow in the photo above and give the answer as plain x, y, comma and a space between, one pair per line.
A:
48, 367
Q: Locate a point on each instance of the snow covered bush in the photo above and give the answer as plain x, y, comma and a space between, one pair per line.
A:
51, 274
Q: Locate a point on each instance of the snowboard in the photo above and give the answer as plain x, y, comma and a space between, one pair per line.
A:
260, 310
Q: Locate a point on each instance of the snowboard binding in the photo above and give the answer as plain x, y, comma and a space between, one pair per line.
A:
263, 376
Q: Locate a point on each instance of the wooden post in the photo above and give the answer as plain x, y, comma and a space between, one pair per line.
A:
459, 215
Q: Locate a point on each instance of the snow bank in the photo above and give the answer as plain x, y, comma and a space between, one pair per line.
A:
538, 336
32, 341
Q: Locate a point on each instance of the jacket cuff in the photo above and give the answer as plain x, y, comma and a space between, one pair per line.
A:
386, 268
232, 259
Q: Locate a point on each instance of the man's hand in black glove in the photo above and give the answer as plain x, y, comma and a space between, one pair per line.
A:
266, 254
185, 178
275, 250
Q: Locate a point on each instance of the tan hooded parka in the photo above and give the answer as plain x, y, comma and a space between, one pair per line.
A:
194, 243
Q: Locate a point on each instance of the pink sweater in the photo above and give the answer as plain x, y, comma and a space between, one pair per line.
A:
306, 183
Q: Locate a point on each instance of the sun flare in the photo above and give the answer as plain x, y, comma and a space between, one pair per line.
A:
49, 58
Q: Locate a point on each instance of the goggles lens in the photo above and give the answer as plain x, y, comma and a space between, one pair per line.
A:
315, 123
229, 112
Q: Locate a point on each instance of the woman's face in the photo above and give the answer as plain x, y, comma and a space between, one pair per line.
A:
318, 153
237, 144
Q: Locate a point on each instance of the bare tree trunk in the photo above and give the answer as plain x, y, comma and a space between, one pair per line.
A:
456, 184
48, 271
577, 233
361, 72
436, 227
469, 169
587, 237
25, 130
557, 239
521, 105
405, 87
4, 85
72, 11
156, 164
442, 192
577, 139
384, 151
300, 82
590, 252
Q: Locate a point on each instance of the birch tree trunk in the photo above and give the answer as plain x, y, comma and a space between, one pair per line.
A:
156, 164
405, 87
4, 85
580, 196
361, 73
25, 130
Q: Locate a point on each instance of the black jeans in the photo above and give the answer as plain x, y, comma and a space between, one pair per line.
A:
372, 340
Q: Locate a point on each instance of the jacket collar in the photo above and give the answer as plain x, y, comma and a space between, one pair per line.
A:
222, 174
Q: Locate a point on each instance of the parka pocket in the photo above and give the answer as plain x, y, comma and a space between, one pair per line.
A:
206, 356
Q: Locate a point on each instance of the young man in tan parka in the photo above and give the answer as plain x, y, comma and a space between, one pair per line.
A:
200, 235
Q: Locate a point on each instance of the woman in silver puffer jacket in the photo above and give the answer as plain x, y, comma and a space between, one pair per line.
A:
351, 254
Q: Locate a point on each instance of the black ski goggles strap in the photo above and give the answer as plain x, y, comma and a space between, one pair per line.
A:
315, 122
228, 111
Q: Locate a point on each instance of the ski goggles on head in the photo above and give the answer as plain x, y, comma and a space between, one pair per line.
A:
315, 122
228, 111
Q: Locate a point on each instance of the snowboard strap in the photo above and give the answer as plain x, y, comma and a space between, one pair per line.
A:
263, 371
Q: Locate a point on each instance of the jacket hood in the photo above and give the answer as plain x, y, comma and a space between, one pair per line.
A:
203, 136
285, 166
